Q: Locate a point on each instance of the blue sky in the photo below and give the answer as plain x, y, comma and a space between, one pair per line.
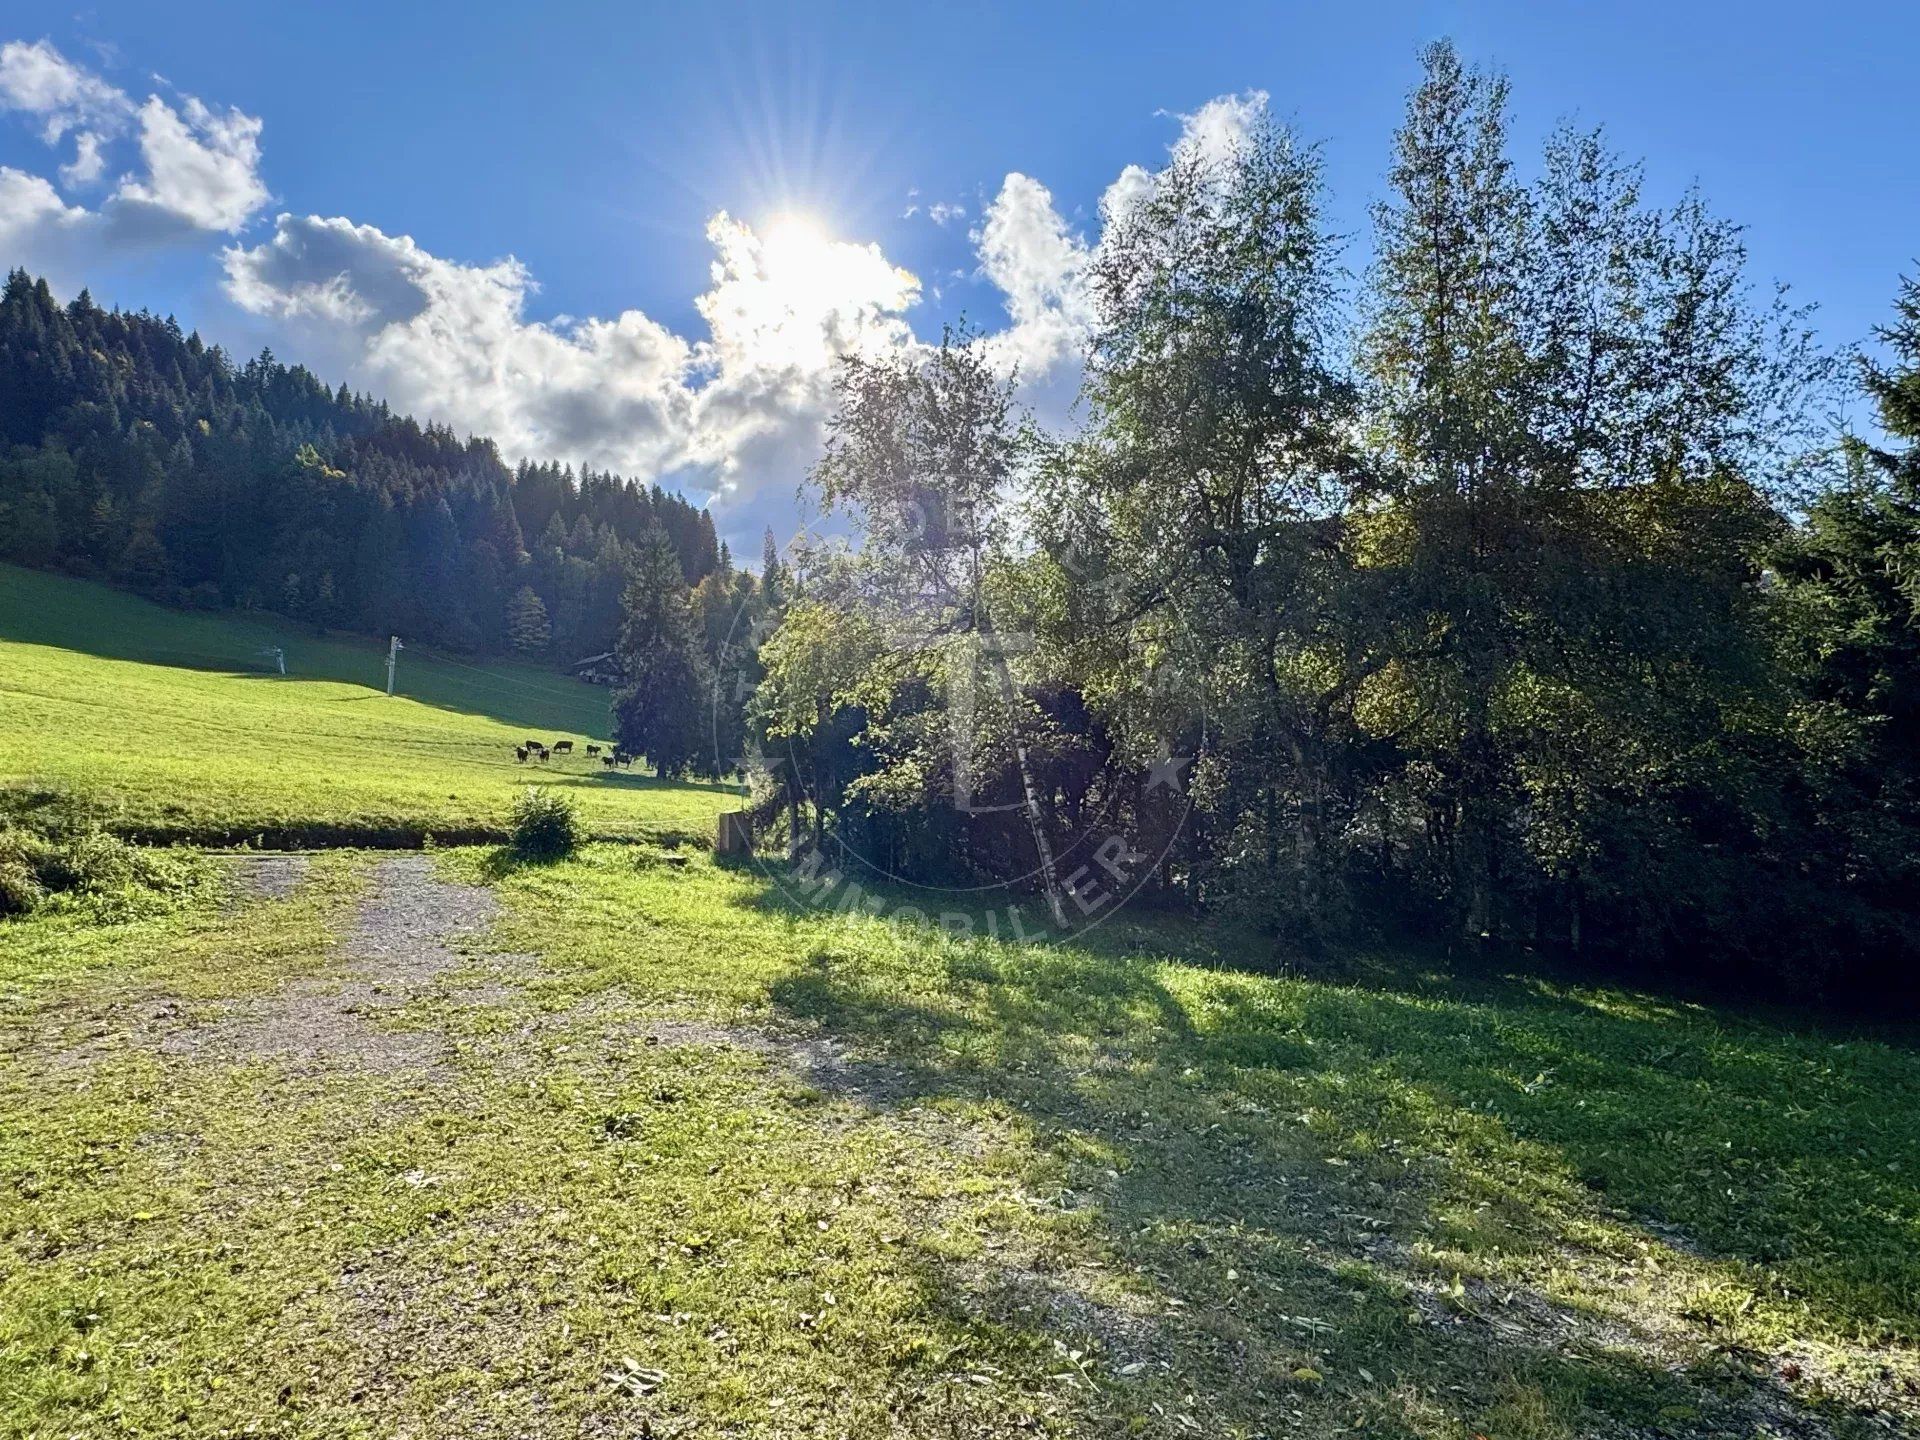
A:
593, 145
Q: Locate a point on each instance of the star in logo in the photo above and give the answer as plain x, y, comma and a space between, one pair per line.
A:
1166, 771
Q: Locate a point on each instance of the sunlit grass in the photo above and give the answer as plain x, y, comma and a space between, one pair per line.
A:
1079, 1191
223, 755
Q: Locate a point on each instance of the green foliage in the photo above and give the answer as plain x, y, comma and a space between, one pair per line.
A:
129, 451
922, 454
20, 889
46, 859
528, 630
665, 710
545, 826
1449, 597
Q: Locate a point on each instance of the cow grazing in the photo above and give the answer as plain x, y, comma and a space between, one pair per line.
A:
592, 750
563, 747
607, 760
520, 753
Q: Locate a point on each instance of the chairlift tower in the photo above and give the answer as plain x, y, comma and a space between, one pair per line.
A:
394, 647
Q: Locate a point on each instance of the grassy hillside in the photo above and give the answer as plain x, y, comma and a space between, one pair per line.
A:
188, 731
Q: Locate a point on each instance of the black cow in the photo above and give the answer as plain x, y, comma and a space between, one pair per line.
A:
563, 747
520, 753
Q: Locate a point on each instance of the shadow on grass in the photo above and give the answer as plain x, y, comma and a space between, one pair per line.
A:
1335, 1179
44, 608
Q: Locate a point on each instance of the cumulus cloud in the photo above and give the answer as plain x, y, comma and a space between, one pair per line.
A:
733, 414
36, 79
202, 165
452, 342
1040, 266
737, 413
1218, 129
89, 160
31, 210
197, 167
1029, 252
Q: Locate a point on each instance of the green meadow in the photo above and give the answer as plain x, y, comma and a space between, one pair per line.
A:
637, 1143
183, 729
663, 1154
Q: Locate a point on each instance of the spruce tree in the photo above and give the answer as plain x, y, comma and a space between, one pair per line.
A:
663, 710
528, 629
1853, 575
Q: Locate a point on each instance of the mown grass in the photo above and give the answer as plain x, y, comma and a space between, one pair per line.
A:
719, 1166
173, 719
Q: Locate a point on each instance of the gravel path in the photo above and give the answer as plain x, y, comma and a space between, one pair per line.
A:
400, 945
270, 876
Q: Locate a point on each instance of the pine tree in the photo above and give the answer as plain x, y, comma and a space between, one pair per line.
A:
773, 576
663, 711
528, 629
116, 423
1854, 573
144, 565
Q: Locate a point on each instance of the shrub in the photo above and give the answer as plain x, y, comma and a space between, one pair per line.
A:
545, 827
50, 855
52, 811
92, 863
20, 890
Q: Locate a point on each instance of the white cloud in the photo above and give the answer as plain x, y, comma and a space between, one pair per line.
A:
197, 171
737, 414
89, 160
1040, 266
39, 80
202, 167
451, 342
31, 211
1219, 129
1030, 253
1129, 188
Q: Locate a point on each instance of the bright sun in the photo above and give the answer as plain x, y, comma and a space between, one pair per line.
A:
797, 254
803, 296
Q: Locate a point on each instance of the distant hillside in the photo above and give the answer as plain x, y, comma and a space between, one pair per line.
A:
135, 454
183, 728
42, 609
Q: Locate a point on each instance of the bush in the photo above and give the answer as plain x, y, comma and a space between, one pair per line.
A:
51, 855
52, 812
20, 890
90, 864
545, 827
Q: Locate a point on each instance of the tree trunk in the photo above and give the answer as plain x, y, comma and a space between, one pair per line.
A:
1036, 821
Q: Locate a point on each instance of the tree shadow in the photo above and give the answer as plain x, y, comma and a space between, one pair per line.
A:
1312, 1183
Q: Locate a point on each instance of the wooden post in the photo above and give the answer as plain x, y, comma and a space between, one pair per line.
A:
735, 834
